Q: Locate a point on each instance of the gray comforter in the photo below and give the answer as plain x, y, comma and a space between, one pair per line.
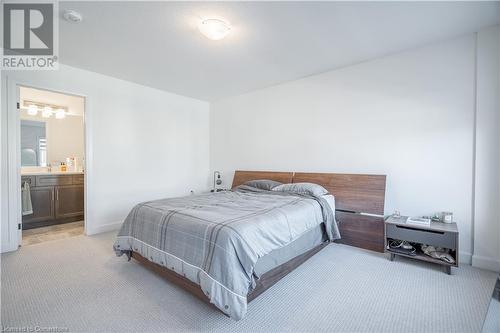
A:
215, 239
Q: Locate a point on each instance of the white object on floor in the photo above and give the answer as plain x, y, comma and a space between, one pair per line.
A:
492, 321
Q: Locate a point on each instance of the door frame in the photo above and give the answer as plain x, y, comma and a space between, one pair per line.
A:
14, 157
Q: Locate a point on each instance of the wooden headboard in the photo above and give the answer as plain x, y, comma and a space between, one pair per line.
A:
355, 195
243, 176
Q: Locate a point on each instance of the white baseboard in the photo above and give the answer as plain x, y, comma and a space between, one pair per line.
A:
8, 247
104, 228
465, 258
489, 263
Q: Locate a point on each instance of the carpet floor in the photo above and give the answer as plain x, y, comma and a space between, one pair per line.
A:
78, 284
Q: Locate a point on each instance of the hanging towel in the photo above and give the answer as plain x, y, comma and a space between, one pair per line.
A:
27, 208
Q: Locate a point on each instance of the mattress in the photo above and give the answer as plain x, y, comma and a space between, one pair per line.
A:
304, 243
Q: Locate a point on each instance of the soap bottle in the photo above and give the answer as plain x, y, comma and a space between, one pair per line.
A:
63, 166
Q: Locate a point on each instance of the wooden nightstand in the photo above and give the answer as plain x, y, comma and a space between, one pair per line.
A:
438, 234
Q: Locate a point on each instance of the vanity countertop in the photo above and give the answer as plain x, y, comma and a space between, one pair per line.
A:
47, 173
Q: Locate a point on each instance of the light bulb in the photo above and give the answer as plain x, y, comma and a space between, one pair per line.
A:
47, 112
214, 29
32, 110
60, 114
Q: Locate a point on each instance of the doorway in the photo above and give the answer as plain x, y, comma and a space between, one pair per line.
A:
52, 165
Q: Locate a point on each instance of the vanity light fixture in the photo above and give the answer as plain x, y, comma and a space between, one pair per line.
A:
60, 114
214, 29
47, 112
32, 110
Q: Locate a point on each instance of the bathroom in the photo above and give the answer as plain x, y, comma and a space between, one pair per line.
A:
52, 156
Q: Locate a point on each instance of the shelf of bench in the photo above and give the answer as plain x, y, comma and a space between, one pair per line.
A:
422, 256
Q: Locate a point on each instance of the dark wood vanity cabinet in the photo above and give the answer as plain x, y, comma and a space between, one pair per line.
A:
55, 199
42, 200
69, 201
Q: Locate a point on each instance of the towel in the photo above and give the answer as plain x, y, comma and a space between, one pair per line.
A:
27, 208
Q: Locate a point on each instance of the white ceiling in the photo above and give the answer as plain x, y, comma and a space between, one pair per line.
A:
157, 43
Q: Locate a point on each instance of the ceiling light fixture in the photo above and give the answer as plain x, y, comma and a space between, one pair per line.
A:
72, 16
214, 29
60, 114
32, 110
47, 112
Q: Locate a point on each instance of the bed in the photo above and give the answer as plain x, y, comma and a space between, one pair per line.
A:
229, 247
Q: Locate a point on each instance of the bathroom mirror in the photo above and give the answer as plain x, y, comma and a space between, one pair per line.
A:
51, 130
33, 143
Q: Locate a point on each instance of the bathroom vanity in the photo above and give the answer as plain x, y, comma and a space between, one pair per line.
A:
56, 198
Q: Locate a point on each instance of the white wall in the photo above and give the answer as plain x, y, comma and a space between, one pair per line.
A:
409, 116
487, 180
143, 143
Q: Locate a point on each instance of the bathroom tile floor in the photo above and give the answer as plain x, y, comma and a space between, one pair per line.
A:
53, 232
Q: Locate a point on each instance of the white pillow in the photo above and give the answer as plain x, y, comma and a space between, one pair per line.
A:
304, 188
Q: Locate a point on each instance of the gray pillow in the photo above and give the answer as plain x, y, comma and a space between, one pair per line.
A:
305, 188
263, 184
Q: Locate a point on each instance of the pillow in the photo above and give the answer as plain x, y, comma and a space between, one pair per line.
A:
305, 188
263, 184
